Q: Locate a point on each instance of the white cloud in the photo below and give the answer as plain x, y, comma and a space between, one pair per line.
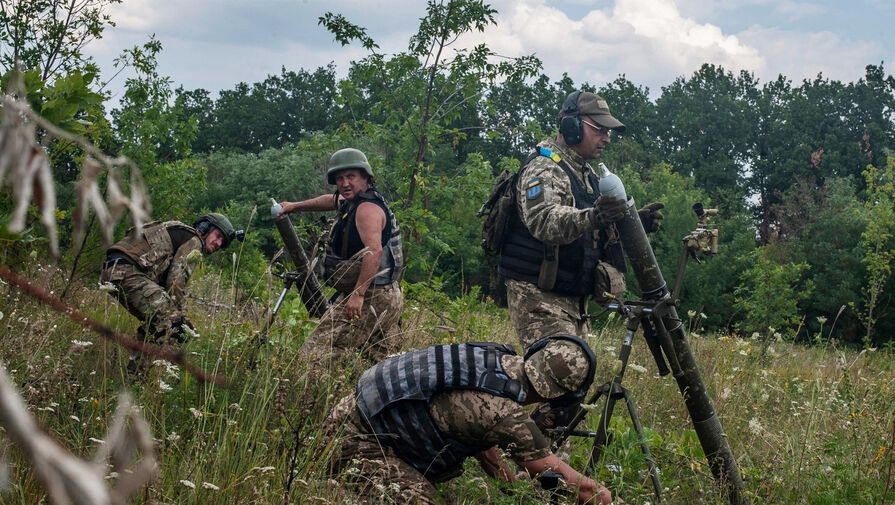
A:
647, 40
802, 55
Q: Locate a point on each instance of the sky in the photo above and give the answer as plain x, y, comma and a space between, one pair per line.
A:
215, 44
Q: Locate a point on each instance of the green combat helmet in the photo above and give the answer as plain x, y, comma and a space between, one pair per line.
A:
344, 159
219, 221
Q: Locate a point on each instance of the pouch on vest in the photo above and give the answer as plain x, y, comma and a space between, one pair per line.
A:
497, 211
115, 271
608, 280
343, 274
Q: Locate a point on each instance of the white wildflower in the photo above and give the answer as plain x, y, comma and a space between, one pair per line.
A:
778, 337
262, 469
637, 368
197, 414
394, 487
209, 485
188, 484
755, 335
46, 409
82, 343
725, 393
755, 426
821, 319
74, 418
189, 331
702, 315
691, 313
107, 287
235, 406
173, 437
380, 488
164, 386
743, 352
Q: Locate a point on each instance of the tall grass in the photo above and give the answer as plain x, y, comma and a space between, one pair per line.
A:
808, 425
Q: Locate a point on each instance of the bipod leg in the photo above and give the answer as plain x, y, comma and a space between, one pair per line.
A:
261, 337
635, 418
613, 392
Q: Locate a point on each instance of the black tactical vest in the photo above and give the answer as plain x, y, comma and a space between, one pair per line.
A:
345, 241
522, 254
393, 398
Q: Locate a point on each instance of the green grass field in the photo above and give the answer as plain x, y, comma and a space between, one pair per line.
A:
807, 425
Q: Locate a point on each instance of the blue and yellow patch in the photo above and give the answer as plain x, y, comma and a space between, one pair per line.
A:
533, 189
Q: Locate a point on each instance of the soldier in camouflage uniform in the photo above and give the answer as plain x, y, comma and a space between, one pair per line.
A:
416, 417
364, 263
561, 247
150, 270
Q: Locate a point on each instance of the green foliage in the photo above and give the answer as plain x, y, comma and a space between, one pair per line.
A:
49, 35
822, 226
877, 241
769, 295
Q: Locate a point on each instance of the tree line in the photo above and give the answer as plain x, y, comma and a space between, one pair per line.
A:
802, 172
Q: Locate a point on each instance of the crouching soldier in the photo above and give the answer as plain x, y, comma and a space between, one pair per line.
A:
416, 417
150, 271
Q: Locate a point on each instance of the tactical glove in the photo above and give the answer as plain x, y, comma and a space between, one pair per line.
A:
607, 210
651, 217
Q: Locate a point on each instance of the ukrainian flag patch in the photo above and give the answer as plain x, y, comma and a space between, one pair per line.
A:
533, 189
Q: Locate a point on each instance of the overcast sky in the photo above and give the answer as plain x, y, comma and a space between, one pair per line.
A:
215, 44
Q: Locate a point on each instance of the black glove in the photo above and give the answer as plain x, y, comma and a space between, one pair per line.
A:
651, 217
607, 210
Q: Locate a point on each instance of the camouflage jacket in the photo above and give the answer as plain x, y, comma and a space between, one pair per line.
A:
153, 253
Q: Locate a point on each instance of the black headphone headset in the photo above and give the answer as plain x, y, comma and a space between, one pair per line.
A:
571, 397
570, 124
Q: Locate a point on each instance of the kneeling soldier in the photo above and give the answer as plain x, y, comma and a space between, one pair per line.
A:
150, 271
416, 417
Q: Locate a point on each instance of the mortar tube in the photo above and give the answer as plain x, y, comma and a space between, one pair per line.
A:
702, 412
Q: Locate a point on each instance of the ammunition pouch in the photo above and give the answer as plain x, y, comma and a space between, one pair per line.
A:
608, 279
342, 274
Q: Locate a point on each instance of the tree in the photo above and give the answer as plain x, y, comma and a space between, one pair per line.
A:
49, 35
704, 128
877, 241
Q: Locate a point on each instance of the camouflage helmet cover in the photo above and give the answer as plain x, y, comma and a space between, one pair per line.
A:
344, 159
560, 367
220, 222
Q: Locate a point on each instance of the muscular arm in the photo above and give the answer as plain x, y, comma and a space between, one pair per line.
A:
370, 221
588, 491
321, 203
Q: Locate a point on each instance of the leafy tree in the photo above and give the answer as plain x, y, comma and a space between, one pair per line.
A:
769, 294
704, 128
156, 135
49, 35
822, 226
273, 113
877, 243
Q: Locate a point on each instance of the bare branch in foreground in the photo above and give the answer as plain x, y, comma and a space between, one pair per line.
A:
51, 301
70, 480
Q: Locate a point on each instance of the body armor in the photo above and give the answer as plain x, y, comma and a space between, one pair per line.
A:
393, 398
345, 243
522, 254
153, 252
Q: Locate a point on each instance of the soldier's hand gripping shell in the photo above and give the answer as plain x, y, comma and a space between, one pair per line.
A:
607, 210
650, 216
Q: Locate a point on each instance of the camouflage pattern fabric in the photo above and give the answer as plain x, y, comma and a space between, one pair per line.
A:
550, 214
537, 314
337, 333
479, 418
374, 474
377, 475
142, 297
561, 366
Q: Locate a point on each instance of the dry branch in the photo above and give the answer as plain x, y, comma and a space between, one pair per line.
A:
70, 480
78, 317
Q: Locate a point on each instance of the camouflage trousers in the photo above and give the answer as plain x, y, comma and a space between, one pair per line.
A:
537, 314
373, 473
338, 334
142, 297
